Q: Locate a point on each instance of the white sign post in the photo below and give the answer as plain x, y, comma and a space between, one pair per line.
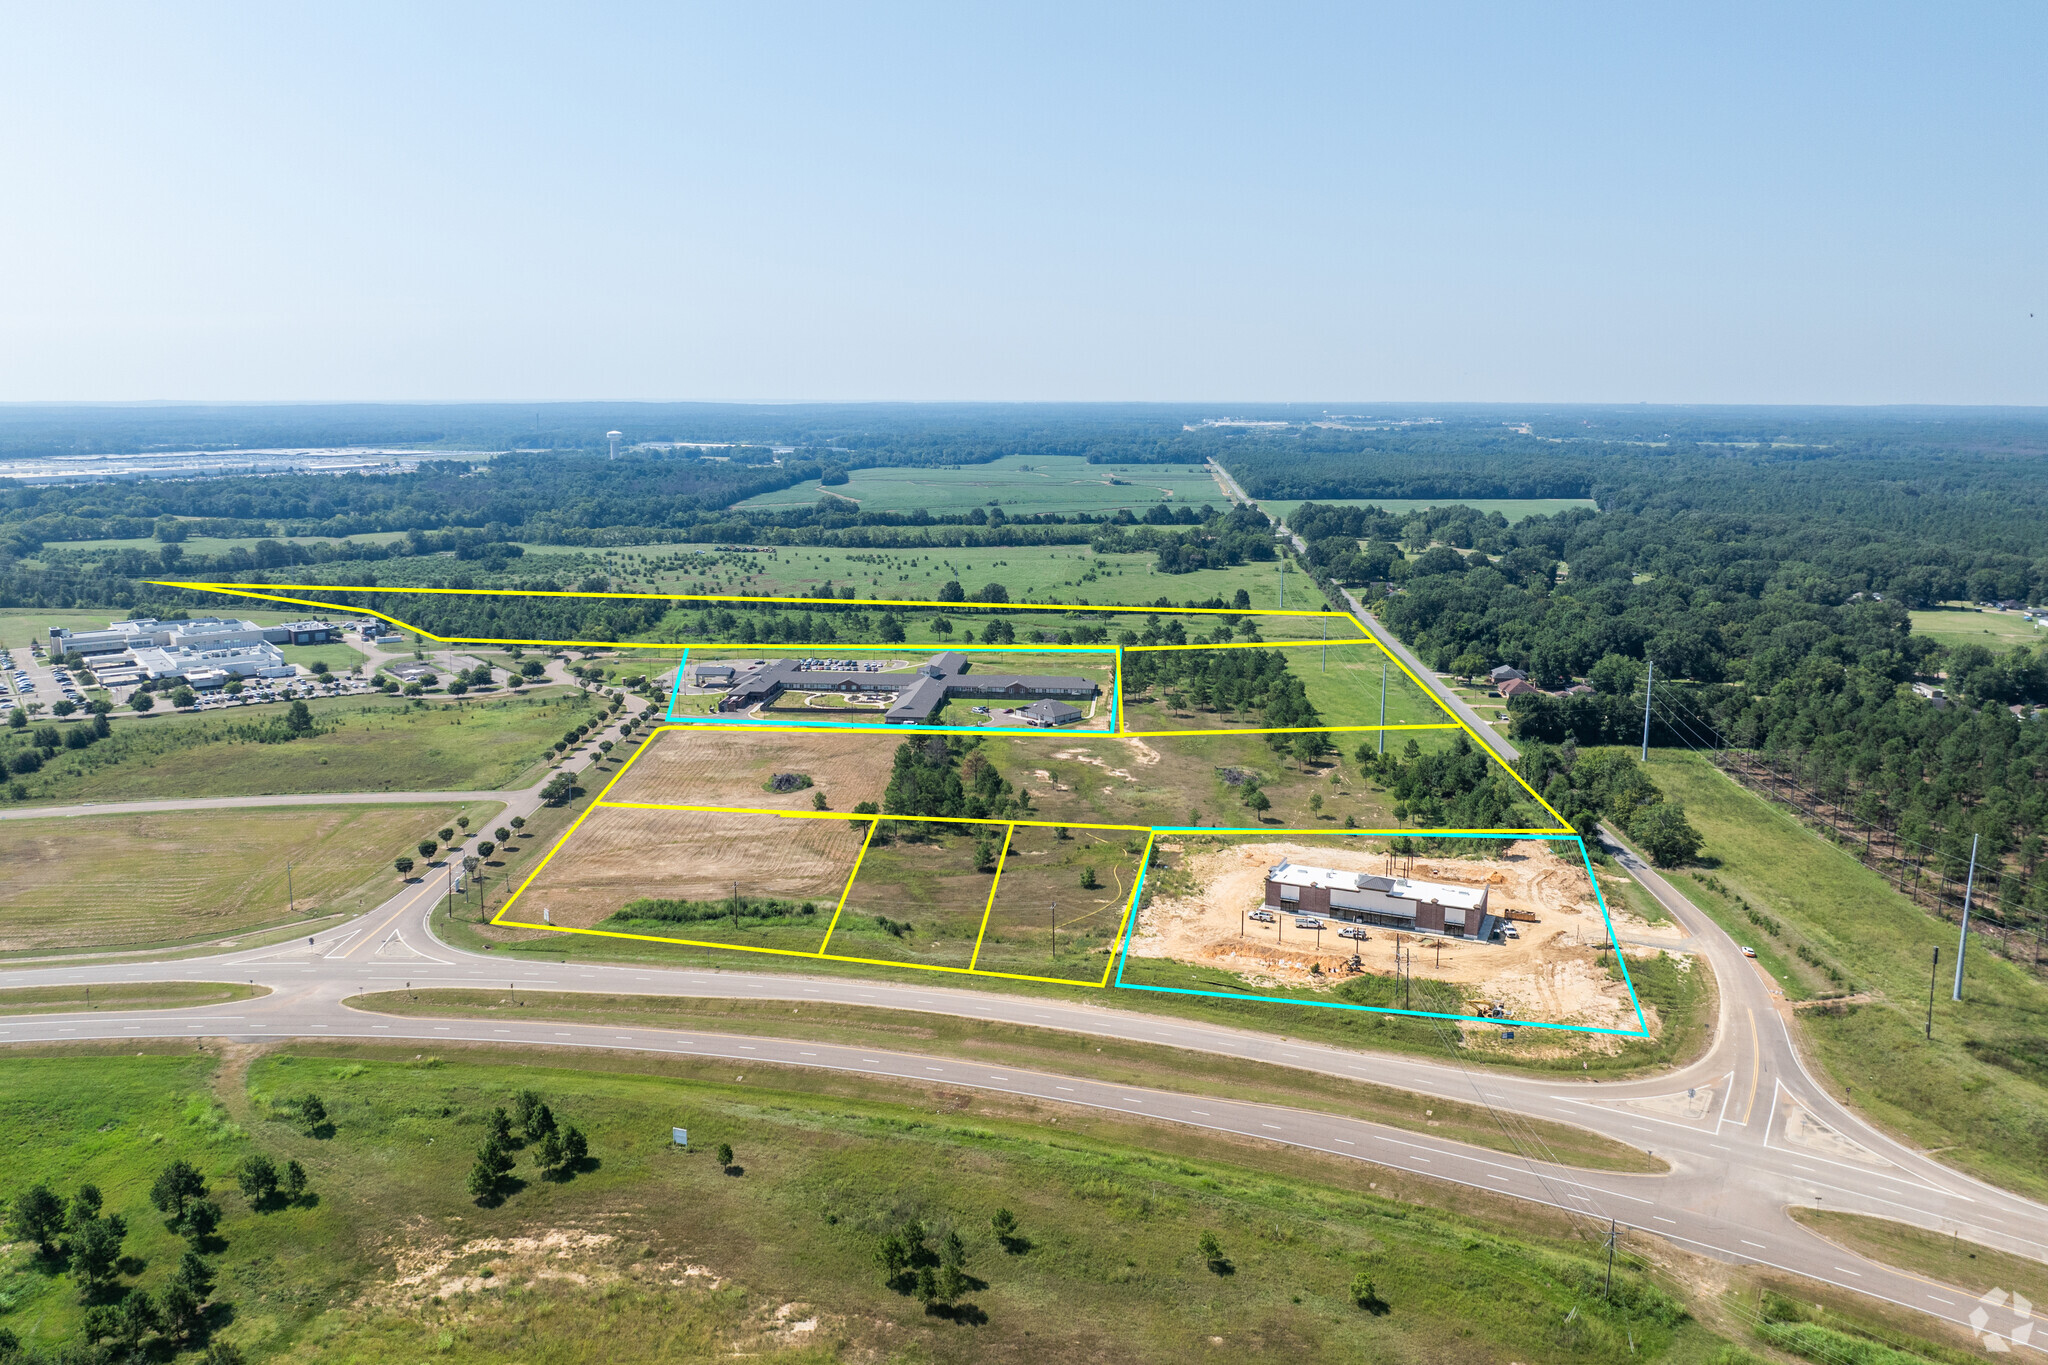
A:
681, 1136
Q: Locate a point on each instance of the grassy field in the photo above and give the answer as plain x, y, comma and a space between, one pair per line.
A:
366, 744
1031, 573
1342, 681
101, 881
656, 1253
1021, 484
1997, 631
1514, 509
1073, 1054
1967, 1265
124, 995
339, 658
1979, 1090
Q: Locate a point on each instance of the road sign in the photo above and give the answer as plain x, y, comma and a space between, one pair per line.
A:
680, 1135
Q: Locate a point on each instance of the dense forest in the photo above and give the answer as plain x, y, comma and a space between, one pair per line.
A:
1773, 597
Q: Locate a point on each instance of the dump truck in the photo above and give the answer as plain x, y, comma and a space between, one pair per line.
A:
1526, 916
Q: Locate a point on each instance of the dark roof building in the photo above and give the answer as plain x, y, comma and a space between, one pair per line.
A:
1049, 712
916, 693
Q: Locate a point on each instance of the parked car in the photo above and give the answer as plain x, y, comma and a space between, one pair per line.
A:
1351, 933
1749, 952
1263, 916
1307, 922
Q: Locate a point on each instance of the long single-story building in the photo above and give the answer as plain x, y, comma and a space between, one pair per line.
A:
213, 667
1367, 898
916, 694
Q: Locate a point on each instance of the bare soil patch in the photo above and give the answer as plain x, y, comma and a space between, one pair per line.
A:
1552, 972
620, 856
715, 766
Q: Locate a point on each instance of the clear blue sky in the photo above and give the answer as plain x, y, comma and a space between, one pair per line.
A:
1769, 203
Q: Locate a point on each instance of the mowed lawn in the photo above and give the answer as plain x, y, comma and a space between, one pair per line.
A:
656, 1253
125, 881
366, 744
1020, 484
1979, 1090
1997, 631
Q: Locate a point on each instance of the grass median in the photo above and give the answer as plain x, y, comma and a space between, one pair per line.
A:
1073, 1054
125, 995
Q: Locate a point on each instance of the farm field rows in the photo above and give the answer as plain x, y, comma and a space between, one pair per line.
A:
1020, 485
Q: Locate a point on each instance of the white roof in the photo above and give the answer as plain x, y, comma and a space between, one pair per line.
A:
1403, 888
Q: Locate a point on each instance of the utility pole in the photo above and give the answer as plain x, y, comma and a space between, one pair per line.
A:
1282, 566
735, 907
1933, 971
1963, 938
290, 905
1056, 929
1649, 681
1613, 1236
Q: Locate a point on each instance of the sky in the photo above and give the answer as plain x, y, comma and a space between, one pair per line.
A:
1591, 202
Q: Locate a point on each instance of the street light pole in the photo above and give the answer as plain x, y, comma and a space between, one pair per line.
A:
1383, 701
1963, 937
1649, 682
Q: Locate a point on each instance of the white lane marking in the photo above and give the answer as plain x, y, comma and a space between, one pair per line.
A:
1203, 1112
1662, 1219
1938, 1299
1846, 1271
1347, 1142
1758, 1245
1068, 1088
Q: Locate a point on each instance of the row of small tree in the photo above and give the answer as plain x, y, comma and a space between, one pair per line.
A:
76, 1236
559, 1149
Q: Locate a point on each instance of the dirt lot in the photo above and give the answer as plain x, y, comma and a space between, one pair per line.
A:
624, 855
711, 766
1551, 973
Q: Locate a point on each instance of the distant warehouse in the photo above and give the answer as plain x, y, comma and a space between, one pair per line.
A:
916, 694
1393, 902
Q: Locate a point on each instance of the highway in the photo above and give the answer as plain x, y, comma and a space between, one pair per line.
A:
1746, 1129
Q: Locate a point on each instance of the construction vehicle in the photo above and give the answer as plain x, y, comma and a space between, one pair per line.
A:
1526, 916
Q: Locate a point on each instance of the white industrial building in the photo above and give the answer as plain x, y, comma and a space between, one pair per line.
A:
206, 651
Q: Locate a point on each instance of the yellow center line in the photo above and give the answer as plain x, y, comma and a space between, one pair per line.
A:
1756, 1069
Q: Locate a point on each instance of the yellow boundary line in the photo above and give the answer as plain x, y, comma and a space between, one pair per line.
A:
1563, 826
847, 891
989, 909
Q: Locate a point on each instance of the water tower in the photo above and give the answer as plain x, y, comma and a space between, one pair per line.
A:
613, 437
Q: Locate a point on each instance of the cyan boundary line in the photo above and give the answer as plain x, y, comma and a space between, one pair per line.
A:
856, 727
1640, 1031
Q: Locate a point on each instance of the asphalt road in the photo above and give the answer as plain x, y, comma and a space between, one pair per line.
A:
1747, 1130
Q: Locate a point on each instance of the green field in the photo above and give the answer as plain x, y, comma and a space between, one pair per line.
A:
1020, 484
1030, 573
94, 882
1997, 631
1342, 681
1946, 1259
339, 658
1514, 509
1979, 1091
652, 1252
364, 744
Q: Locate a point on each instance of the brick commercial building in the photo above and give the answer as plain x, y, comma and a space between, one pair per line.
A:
1393, 902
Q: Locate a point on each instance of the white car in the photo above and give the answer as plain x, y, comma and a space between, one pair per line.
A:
1352, 933
1263, 916
1307, 922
